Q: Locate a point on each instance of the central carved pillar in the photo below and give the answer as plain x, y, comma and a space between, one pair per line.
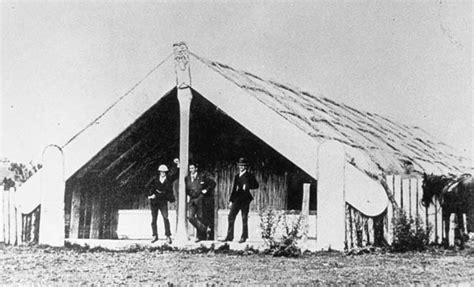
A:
183, 83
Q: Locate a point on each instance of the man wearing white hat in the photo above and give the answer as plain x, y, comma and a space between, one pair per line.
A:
160, 192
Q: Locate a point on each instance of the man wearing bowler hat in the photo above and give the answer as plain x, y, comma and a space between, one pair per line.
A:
240, 199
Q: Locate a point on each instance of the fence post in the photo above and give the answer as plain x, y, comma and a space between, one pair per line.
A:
19, 224
390, 209
11, 216
413, 197
6, 220
405, 196
439, 223
305, 214
331, 202
420, 208
52, 197
430, 219
2, 217
452, 230
465, 230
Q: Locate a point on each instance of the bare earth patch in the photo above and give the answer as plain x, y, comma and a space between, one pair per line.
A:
44, 265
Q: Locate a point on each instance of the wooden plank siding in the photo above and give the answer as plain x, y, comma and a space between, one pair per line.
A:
94, 209
272, 192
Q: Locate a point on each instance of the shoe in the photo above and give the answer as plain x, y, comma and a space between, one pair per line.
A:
155, 239
168, 240
208, 233
242, 240
198, 240
225, 240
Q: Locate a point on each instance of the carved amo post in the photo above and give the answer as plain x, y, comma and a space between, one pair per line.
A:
331, 202
52, 197
183, 84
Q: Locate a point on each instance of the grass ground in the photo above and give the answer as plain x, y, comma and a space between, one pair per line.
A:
46, 265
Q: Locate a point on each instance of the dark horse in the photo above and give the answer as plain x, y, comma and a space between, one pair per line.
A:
455, 195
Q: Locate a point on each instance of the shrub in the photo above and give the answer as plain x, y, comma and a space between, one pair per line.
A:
269, 220
292, 233
286, 245
409, 233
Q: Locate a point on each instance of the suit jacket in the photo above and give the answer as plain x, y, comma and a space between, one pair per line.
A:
161, 190
194, 188
242, 186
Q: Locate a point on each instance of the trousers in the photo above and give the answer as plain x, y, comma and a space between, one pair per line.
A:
196, 216
241, 205
162, 206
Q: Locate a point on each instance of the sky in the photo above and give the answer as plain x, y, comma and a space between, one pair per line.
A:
64, 63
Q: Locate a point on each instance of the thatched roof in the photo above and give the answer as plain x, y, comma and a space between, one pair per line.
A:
299, 121
373, 143
123, 143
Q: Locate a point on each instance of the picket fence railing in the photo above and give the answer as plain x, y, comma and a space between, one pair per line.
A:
17, 228
407, 192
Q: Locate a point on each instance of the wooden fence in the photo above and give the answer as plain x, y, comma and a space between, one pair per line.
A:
17, 228
407, 192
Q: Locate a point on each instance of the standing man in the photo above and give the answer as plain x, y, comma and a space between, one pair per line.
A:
159, 193
199, 188
240, 199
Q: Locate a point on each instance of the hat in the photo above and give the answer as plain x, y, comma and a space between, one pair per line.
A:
162, 168
242, 161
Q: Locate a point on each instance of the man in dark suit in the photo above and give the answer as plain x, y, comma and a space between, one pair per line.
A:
160, 191
200, 189
240, 199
